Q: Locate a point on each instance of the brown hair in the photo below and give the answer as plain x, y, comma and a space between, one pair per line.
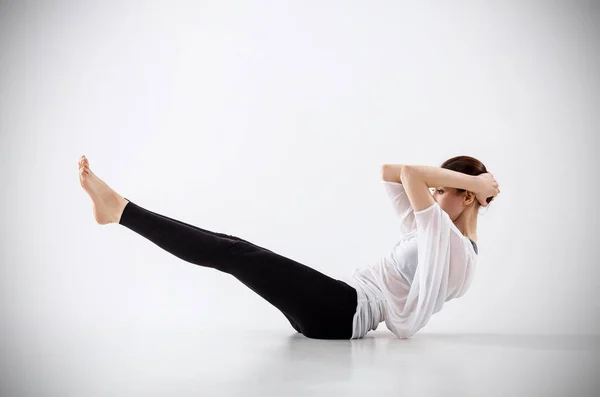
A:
467, 165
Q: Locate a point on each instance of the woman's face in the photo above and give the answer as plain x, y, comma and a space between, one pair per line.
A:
450, 201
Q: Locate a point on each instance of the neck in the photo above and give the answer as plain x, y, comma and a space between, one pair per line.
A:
467, 224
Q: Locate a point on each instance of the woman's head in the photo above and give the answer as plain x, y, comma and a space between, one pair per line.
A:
456, 201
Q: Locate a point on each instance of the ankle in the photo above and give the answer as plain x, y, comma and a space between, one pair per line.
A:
120, 208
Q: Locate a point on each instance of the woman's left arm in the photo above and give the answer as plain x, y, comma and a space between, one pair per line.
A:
438, 177
417, 180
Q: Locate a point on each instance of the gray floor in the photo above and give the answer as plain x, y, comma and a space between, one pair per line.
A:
187, 362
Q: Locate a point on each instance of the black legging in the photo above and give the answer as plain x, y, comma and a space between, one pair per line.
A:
315, 304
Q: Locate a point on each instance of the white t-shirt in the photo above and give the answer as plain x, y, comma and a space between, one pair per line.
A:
433, 262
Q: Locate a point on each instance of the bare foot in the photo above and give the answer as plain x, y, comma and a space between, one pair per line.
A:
108, 204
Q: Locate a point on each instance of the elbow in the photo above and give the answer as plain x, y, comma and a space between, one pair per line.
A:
392, 172
406, 169
403, 172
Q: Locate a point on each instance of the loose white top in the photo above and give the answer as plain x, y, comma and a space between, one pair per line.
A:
432, 263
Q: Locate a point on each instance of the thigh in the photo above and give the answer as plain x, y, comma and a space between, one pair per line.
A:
292, 322
320, 305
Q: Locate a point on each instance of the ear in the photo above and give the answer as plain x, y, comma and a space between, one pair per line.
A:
469, 197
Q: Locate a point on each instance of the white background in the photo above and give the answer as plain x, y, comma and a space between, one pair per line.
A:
271, 121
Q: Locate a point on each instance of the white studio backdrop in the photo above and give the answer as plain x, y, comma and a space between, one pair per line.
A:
270, 121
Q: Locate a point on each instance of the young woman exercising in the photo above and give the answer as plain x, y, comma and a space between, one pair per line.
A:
432, 262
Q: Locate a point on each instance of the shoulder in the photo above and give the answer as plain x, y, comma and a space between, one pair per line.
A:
434, 218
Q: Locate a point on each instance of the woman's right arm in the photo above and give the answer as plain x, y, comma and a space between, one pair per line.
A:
391, 172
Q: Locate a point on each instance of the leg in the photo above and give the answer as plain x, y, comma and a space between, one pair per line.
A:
292, 322
314, 303
203, 230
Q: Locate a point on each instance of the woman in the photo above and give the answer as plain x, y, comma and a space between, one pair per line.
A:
394, 290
